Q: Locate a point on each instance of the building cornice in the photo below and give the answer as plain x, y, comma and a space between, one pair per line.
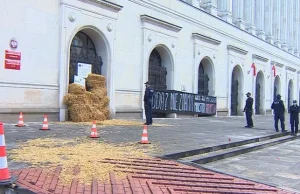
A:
236, 49
290, 69
277, 64
160, 23
104, 4
206, 39
260, 58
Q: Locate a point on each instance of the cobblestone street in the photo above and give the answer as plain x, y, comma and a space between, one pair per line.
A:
275, 166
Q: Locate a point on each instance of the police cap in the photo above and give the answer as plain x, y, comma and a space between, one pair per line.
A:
278, 96
248, 93
295, 101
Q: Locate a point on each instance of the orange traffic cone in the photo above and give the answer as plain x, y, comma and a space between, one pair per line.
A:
144, 139
94, 133
4, 172
45, 123
20, 121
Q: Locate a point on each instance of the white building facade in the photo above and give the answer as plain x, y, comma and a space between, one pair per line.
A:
222, 48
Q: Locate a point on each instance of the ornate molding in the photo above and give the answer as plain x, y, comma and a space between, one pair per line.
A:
290, 69
206, 39
260, 58
160, 23
104, 4
277, 64
236, 49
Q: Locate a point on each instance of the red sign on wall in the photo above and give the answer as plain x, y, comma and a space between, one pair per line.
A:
12, 64
12, 60
13, 55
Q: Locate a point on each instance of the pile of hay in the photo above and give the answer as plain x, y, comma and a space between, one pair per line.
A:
85, 106
88, 156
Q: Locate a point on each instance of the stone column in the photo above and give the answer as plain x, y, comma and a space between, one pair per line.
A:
283, 24
276, 22
290, 29
210, 6
249, 16
259, 19
238, 13
296, 27
225, 10
267, 20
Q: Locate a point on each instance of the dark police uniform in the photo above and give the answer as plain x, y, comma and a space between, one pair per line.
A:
294, 118
249, 111
279, 109
148, 104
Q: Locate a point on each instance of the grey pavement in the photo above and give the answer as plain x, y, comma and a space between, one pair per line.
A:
280, 168
277, 165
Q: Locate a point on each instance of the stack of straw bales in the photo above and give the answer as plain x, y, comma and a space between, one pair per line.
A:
85, 106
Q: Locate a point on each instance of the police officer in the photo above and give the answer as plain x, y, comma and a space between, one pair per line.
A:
294, 117
148, 103
249, 110
279, 109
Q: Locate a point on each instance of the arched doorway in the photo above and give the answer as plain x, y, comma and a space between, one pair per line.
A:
259, 93
90, 47
277, 88
160, 72
290, 93
236, 90
205, 78
83, 51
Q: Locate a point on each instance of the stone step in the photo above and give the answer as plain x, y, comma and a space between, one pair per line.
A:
227, 153
176, 156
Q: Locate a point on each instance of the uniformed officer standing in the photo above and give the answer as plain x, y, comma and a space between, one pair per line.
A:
148, 103
249, 110
294, 117
279, 109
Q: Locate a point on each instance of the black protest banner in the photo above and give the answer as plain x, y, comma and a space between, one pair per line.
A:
171, 101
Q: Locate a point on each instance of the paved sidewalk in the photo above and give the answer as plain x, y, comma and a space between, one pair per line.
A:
148, 177
183, 135
277, 165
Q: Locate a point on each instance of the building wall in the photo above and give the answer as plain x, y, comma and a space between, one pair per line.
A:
35, 25
125, 40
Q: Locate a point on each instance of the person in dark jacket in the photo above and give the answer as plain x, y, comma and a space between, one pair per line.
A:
294, 118
249, 110
279, 110
148, 103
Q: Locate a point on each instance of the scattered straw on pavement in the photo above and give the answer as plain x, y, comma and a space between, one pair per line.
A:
114, 122
84, 154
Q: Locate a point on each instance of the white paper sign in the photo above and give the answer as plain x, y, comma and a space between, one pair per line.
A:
79, 80
83, 70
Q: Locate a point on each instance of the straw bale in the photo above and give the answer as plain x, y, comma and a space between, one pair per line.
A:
105, 111
101, 92
93, 98
96, 84
98, 115
85, 106
70, 99
76, 89
104, 102
95, 77
86, 113
80, 112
